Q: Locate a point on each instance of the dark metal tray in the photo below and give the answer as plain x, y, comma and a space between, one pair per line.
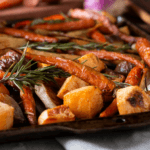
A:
76, 127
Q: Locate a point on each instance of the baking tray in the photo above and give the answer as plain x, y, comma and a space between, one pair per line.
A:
124, 122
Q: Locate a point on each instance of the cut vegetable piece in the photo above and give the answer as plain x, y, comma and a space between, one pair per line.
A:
9, 41
84, 102
70, 84
60, 113
47, 95
92, 61
6, 116
3, 89
125, 30
132, 99
18, 114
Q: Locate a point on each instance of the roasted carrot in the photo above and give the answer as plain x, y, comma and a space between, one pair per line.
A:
99, 37
28, 35
111, 110
22, 23
31, 3
67, 26
134, 76
29, 104
143, 48
113, 29
54, 17
9, 3
85, 73
3, 89
28, 22
102, 54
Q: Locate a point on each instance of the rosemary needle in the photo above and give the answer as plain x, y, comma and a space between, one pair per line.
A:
73, 46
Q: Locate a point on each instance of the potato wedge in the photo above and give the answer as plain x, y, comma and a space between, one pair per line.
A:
84, 102
47, 95
132, 99
18, 114
60, 113
92, 61
6, 116
70, 84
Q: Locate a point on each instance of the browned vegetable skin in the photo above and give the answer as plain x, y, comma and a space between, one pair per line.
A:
67, 26
134, 76
29, 104
143, 48
85, 73
28, 35
103, 54
113, 29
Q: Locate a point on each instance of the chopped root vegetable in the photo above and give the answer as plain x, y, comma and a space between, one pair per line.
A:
28, 35
3, 89
111, 110
112, 28
102, 54
132, 99
70, 84
29, 104
67, 26
143, 48
134, 76
60, 113
7, 116
84, 102
85, 73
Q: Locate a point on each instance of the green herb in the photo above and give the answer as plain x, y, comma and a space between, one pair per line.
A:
109, 76
122, 84
73, 46
20, 75
41, 21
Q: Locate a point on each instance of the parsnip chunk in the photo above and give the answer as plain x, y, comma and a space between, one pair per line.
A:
92, 61
84, 102
70, 84
6, 116
47, 95
132, 99
60, 113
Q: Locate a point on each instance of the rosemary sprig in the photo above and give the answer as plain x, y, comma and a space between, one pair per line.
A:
41, 21
73, 46
122, 84
20, 75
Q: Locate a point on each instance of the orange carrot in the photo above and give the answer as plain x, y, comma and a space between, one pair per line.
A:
9, 3
102, 54
111, 110
54, 17
29, 104
143, 48
28, 35
85, 73
67, 26
99, 37
28, 22
134, 76
22, 23
113, 29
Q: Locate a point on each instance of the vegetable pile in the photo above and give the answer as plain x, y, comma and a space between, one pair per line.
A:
80, 66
